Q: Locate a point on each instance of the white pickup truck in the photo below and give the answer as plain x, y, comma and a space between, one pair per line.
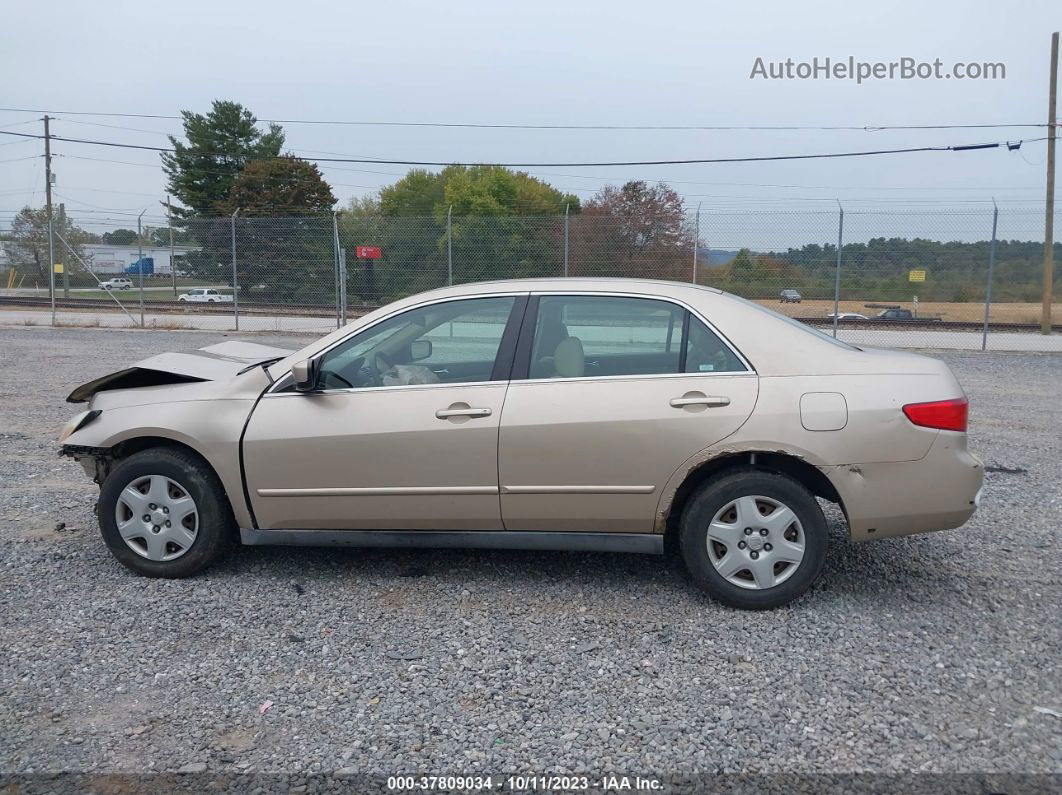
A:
204, 295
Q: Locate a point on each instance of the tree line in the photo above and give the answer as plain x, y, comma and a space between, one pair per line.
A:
880, 268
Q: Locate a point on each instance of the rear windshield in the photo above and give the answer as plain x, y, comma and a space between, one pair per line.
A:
797, 324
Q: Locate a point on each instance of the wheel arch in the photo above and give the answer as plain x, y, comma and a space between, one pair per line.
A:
799, 469
137, 444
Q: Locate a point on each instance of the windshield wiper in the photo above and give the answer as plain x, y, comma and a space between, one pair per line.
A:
263, 364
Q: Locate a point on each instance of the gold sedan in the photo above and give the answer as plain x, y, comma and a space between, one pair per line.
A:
547, 414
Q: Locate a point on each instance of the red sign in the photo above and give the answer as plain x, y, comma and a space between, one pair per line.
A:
367, 252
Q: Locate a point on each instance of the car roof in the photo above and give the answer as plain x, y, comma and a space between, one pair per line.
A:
569, 284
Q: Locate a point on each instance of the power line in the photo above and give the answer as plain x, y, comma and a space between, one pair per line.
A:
172, 135
484, 126
18, 123
677, 162
604, 179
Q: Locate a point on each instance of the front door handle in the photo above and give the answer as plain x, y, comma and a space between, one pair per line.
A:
699, 400
467, 411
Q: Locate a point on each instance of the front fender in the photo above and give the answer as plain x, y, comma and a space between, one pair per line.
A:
212, 428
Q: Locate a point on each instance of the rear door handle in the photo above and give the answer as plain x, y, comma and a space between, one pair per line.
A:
444, 414
700, 400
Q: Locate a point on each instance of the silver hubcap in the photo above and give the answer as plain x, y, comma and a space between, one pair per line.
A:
756, 542
157, 517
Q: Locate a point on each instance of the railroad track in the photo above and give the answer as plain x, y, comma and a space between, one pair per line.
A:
180, 307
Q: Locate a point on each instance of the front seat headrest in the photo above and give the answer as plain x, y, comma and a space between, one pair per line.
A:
568, 359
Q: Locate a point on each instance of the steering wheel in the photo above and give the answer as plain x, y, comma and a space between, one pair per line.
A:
329, 377
359, 374
339, 378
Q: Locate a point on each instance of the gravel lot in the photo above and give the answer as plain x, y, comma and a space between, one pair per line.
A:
931, 653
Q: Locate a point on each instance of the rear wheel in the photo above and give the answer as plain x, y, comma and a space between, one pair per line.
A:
754, 539
164, 513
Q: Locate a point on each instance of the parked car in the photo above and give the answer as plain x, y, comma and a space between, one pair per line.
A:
117, 283
789, 297
905, 314
847, 316
542, 414
207, 295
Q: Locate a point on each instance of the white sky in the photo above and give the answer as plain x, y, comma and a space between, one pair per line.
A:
539, 63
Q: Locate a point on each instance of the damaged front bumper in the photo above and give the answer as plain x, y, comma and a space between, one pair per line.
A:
96, 461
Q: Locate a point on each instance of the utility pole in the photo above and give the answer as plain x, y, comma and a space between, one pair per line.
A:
696, 241
1049, 218
837, 270
450, 247
235, 278
566, 208
66, 270
140, 262
48, 198
173, 261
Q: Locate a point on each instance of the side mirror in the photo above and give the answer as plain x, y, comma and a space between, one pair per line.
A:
304, 374
419, 350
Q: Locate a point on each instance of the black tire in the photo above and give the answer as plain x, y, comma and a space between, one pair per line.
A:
713, 497
216, 530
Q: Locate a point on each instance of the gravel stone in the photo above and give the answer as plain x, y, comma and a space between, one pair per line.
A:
927, 653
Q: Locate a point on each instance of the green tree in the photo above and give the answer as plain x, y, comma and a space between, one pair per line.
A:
418, 193
741, 266
26, 245
504, 222
284, 231
200, 173
473, 190
120, 237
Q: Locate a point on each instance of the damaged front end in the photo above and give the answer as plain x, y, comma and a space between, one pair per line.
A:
213, 363
198, 400
96, 461
129, 378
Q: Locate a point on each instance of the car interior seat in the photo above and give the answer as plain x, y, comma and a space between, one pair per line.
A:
551, 332
569, 360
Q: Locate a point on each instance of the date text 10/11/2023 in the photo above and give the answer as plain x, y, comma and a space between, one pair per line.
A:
525, 783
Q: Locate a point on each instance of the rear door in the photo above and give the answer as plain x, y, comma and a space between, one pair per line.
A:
610, 395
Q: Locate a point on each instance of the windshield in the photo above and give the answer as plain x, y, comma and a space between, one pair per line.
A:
797, 324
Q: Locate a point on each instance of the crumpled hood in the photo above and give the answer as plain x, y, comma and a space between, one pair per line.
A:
213, 363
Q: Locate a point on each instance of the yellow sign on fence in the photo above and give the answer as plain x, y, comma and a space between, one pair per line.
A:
58, 267
916, 276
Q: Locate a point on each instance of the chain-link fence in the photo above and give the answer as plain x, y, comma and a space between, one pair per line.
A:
906, 278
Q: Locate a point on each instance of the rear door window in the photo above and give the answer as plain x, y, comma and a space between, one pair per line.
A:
601, 336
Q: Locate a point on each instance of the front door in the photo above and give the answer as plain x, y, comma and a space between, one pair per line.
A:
622, 392
402, 433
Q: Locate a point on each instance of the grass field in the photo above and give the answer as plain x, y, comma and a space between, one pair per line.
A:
964, 312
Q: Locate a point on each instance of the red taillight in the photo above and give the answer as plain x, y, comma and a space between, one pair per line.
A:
947, 415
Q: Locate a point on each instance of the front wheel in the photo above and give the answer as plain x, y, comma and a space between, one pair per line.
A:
163, 513
754, 539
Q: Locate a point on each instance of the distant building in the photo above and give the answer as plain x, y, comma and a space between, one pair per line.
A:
103, 258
